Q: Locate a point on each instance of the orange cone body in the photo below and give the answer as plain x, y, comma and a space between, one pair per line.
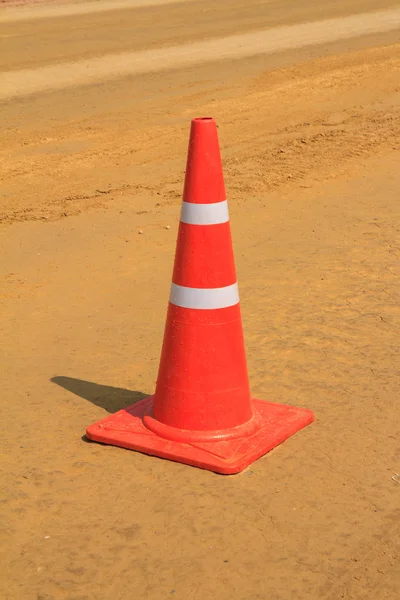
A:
202, 413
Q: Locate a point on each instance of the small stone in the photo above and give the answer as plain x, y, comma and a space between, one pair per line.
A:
140, 231
168, 227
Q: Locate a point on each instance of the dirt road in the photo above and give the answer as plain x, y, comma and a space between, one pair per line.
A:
96, 101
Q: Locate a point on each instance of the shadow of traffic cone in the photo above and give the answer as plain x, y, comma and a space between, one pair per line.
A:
202, 413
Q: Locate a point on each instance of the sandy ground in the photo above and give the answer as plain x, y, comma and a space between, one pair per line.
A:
310, 142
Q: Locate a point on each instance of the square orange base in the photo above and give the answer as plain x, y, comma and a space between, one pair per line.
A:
126, 430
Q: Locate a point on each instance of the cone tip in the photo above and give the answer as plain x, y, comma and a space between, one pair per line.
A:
203, 121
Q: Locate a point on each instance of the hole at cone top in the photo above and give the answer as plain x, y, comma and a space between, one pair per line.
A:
204, 119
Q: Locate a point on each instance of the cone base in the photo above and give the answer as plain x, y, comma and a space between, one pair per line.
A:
277, 423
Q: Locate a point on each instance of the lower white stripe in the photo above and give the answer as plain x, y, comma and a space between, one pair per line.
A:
204, 214
204, 298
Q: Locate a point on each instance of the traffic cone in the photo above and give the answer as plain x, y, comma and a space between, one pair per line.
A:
202, 413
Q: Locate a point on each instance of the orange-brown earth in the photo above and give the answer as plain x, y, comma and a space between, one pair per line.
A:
310, 143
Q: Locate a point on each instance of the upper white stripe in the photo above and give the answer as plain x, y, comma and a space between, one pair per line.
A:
204, 214
204, 298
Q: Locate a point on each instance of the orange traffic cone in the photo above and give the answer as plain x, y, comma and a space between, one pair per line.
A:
202, 413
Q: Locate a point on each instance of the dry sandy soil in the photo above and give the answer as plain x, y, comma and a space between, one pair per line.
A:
309, 134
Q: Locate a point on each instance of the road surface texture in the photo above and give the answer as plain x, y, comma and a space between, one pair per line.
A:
96, 101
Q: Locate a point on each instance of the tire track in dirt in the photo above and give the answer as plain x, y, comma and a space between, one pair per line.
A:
26, 12
23, 82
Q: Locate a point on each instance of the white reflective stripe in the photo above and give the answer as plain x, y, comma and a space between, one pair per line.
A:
204, 298
204, 214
